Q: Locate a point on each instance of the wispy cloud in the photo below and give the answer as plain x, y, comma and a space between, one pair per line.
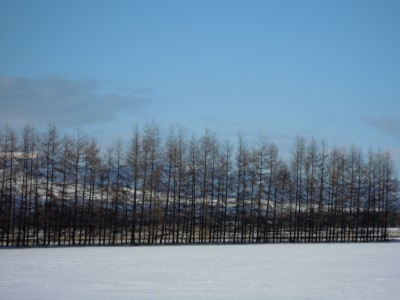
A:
385, 124
66, 102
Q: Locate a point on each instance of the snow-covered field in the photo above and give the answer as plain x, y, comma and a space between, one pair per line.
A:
282, 271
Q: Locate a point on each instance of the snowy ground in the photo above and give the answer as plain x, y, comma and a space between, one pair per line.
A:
282, 271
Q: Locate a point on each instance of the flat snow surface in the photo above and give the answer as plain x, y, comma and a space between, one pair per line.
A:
282, 271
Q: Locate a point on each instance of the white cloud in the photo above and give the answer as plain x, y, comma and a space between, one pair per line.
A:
389, 126
385, 124
65, 102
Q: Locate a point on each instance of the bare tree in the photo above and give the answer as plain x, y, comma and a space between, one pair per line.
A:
10, 148
311, 187
178, 189
28, 153
79, 145
193, 178
115, 224
260, 161
64, 221
321, 184
61, 190
390, 194
134, 163
298, 160
272, 164
242, 167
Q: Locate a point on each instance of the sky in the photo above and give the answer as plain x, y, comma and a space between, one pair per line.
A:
320, 69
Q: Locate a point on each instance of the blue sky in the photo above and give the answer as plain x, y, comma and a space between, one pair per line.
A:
323, 69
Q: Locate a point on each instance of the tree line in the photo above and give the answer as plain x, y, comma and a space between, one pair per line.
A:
63, 190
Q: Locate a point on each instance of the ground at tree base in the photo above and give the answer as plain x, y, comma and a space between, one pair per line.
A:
282, 271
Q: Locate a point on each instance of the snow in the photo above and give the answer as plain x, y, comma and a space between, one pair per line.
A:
273, 271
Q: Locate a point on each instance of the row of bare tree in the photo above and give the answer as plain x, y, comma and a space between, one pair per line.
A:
62, 190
